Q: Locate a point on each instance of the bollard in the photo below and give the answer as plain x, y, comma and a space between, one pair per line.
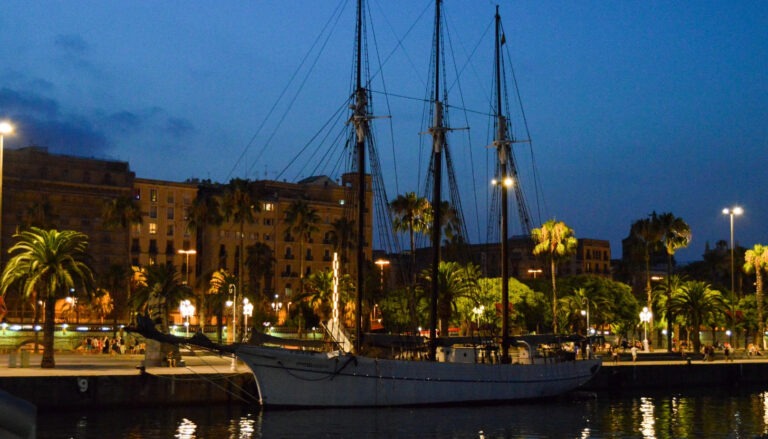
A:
24, 358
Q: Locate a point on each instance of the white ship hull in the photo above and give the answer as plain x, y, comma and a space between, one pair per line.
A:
314, 379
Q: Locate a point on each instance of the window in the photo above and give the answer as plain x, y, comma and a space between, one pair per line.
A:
267, 221
153, 211
169, 230
153, 195
269, 207
169, 213
153, 228
169, 198
267, 237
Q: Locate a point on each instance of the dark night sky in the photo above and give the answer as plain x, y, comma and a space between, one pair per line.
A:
632, 106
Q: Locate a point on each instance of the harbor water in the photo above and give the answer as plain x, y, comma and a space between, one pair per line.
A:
702, 413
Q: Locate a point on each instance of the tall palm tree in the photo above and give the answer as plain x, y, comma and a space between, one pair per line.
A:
122, 213
675, 234
261, 267
343, 237
239, 204
647, 236
697, 303
555, 240
756, 260
48, 263
412, 214
302, 221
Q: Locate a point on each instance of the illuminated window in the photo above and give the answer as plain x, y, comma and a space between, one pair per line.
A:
153, 228
269, 207
153, 195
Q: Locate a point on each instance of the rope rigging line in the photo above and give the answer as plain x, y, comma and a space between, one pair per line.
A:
333, 20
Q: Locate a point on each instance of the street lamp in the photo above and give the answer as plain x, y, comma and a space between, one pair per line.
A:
247, 312
478, 310
5, 128
586, 314
186, 253
233, 303
736, 210
645, 317
382, 263
72, 301
534, 271
187, 310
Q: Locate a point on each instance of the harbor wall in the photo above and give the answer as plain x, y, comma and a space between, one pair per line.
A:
682, 375
140, 390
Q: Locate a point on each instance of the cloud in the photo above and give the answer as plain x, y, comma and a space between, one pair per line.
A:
40, 121
72, 43
179, 128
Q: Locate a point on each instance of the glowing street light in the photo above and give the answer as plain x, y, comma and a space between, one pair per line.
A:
382, 263
187, 310
586, 314
478, 311
247, 312
645, 317
736, 210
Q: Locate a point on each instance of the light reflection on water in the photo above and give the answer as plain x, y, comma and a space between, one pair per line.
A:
708, 413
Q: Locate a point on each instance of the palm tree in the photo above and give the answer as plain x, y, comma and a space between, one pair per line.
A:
412, 215
102, 304
675, 234
647, 236
48, 263
160, 289
756, 260
454, 281
261, 267
122, 213
302, 221
697, 303
343, 237
555, 240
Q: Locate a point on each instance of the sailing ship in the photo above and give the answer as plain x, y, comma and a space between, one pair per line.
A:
456, 370
451, 374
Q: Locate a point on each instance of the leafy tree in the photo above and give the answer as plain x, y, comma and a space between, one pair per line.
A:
102, 304
238, 205
48, 263
756, 260
555, 240
319, 293
343, 237
697, 303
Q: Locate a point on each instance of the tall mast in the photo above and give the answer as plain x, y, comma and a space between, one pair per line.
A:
502, 145
438, 143
360, 120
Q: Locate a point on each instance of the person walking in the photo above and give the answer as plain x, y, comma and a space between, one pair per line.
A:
634, 353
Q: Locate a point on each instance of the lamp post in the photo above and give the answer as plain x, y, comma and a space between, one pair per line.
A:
247, 312
72, 301
586, 314
382, 263
187, 310
645, 317
478, 311
186, 254
534, 271
5, 128
736, 210
233, 303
